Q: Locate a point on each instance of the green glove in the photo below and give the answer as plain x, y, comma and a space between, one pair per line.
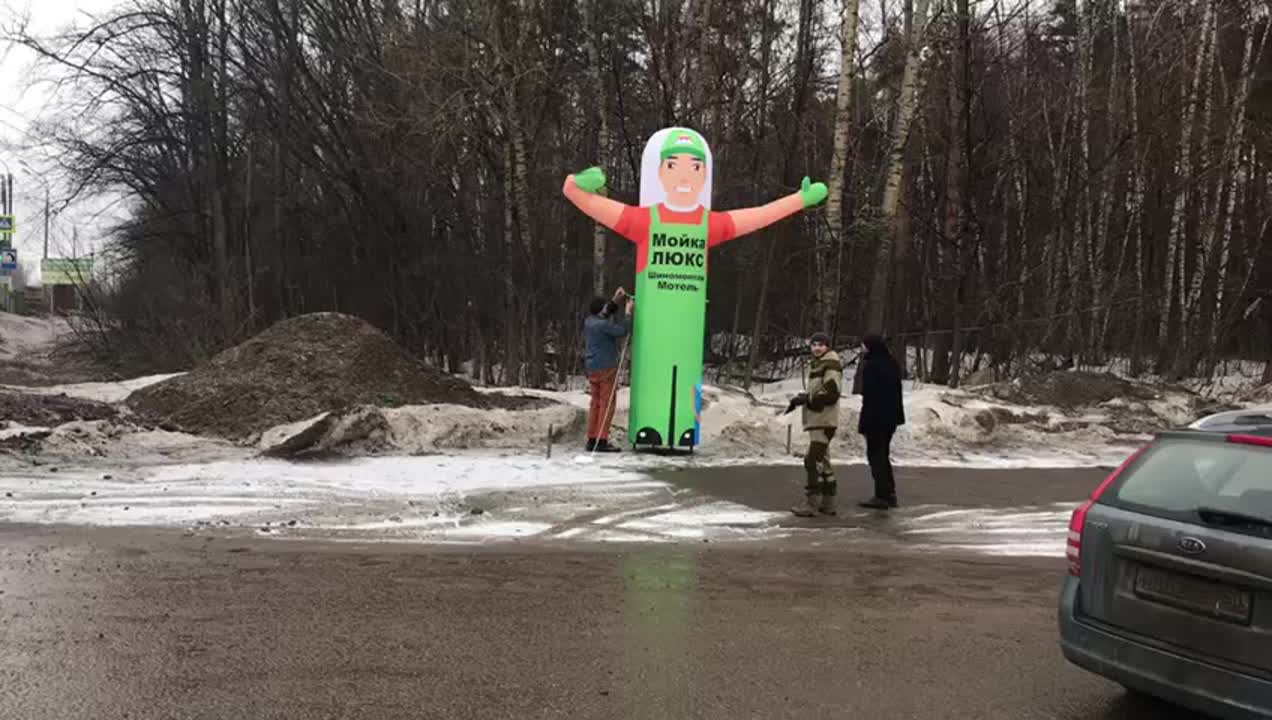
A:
812, 193
590, 180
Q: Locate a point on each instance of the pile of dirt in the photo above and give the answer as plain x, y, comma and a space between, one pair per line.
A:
49, 410
300, 368
1069, 389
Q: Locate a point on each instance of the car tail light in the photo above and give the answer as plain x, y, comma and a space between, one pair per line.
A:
1251, 440
1073, 549
1077, 522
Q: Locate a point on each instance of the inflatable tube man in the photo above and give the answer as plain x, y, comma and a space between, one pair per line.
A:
673, 230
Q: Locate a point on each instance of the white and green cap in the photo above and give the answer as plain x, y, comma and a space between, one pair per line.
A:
682, 141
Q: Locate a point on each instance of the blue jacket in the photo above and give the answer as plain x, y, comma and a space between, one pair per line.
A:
600, 338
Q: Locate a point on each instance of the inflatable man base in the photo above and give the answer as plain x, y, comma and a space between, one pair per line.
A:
668, 337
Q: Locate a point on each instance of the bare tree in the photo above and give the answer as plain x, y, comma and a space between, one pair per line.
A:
1198, 92
593, 42
907, 103
830, 243
1083, 183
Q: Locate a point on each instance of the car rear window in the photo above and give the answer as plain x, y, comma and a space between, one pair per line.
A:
1176, 477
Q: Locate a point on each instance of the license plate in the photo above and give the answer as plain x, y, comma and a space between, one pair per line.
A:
1194, 594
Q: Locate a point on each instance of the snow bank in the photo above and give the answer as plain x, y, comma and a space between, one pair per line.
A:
114, 442
112, 392
944, 426
417, 429
21, 337
15, 430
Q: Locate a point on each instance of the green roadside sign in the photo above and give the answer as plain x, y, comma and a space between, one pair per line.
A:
65, 271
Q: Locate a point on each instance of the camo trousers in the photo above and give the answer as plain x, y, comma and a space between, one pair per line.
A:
820, 475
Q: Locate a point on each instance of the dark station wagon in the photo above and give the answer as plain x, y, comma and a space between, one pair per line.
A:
1169, 591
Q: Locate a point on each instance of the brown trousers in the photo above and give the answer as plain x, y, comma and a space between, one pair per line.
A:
601, 412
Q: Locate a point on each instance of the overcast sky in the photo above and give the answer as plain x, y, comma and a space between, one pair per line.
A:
22, 100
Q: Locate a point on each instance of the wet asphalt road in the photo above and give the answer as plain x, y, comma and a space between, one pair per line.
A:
777, 487
148, 624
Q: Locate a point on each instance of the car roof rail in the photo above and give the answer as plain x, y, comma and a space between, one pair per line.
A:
1245, 419
1255, 418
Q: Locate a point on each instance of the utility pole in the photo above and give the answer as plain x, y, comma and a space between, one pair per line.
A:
46, 222
6, 238
6, 201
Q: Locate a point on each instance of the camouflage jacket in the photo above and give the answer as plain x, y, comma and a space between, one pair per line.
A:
825, 381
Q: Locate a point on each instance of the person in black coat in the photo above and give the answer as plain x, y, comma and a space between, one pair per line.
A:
881, 415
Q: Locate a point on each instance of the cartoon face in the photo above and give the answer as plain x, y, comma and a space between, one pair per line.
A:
682, 178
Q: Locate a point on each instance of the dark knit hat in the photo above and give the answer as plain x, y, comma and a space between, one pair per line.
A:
819, 337
875, 343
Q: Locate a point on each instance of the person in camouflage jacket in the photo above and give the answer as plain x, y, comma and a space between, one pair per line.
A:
820, 403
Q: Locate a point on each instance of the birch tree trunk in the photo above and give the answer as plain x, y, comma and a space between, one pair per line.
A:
830, 242
948, 248
1173, 278
1053, 252
512, 340
1103, 288
1237, 168
1083, 233
593, 34
907, 100
528, 248
1019, 181
517, 215
757, 324
701, 65
1211, 199
968, 249
1135, 209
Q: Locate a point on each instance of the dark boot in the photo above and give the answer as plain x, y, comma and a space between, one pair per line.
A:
877, 503
591, 445
828, 492
605, 447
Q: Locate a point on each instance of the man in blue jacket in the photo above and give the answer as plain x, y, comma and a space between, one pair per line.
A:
606, 323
